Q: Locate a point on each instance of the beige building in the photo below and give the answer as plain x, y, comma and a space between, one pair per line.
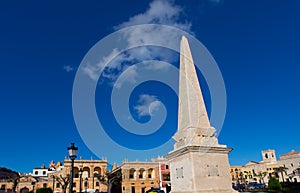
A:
135, 177
241, 175
261, 171
291, 161
55, 175
92, 170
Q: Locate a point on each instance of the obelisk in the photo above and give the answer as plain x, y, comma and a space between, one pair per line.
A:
198, 163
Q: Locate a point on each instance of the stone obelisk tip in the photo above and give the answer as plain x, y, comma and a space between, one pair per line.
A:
192, 111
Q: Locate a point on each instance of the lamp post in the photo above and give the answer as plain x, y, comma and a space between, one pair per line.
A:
86, 184
33, 184
236, 176
53, 177
72, 155
80, 179
93, 180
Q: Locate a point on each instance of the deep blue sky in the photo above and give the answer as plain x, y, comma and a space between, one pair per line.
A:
255, 43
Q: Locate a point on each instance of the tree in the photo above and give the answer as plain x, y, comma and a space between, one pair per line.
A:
44, 190
274, 185
167, 176
111, 180
261, 175
281, 169
63, 181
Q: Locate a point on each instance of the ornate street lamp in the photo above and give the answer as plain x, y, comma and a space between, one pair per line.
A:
72, 155
80, 180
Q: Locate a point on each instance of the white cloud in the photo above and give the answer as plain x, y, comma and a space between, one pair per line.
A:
68, 68
147, 104
159, 12
91, 71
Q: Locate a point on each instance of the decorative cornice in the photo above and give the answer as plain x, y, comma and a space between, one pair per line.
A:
200, 149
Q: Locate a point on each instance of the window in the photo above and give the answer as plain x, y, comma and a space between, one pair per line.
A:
143, 190
44, 185
3, 187
74, 184
151, 173
132, 173
44, 172
266, 156
57, 185
167, 167
36, 172
292, 164
97, 184
142, 173
132, 189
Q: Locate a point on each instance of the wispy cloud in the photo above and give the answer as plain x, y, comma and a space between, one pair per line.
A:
159, 12
147, 104
68, 68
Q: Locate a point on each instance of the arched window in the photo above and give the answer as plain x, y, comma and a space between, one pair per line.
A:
132, 173
76, 175
142, 173
97, 171
151, 173
86, 172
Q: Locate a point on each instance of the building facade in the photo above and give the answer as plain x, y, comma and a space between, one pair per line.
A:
89, 179
291, 162
287, 168
135, 177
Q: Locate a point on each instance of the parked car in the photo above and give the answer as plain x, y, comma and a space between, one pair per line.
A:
254, 186
155, 190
